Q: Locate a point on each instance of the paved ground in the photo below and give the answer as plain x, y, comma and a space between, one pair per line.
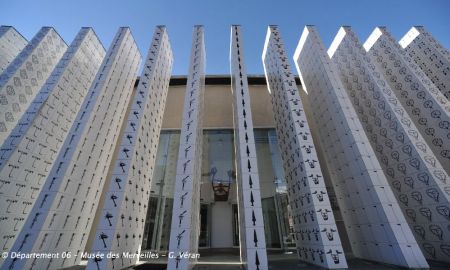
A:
277, 261
229, 260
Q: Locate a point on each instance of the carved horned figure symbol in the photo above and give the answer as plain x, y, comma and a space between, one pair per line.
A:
334, 256
319, 195
329, 234
324, 213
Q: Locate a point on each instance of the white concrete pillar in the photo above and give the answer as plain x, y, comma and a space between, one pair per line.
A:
185, 228
33, 145
316, 234
374, 221
64, 211
251, 230
126, 195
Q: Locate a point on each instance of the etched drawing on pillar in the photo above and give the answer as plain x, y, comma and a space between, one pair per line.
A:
185, 228
251, 224
307, 193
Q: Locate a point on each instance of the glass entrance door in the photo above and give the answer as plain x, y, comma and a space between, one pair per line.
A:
204, 238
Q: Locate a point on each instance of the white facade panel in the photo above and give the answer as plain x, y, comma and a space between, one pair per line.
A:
64, 211
430, 56
185, 228
252, 238
400, 147
25, 76
358, 179
32, 147
428, 108
11, 44
307, 193
121, 224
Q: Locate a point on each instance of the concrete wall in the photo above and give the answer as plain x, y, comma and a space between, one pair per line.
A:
218, 107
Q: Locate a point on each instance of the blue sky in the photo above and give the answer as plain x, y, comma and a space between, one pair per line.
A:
179, 16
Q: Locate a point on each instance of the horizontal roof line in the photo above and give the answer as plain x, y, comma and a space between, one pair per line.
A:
220, 79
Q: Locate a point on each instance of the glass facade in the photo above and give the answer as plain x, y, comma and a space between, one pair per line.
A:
219, 175
218, 189
277, 219
218, 196
159, 212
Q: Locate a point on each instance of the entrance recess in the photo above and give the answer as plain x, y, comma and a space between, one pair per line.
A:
221, 225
